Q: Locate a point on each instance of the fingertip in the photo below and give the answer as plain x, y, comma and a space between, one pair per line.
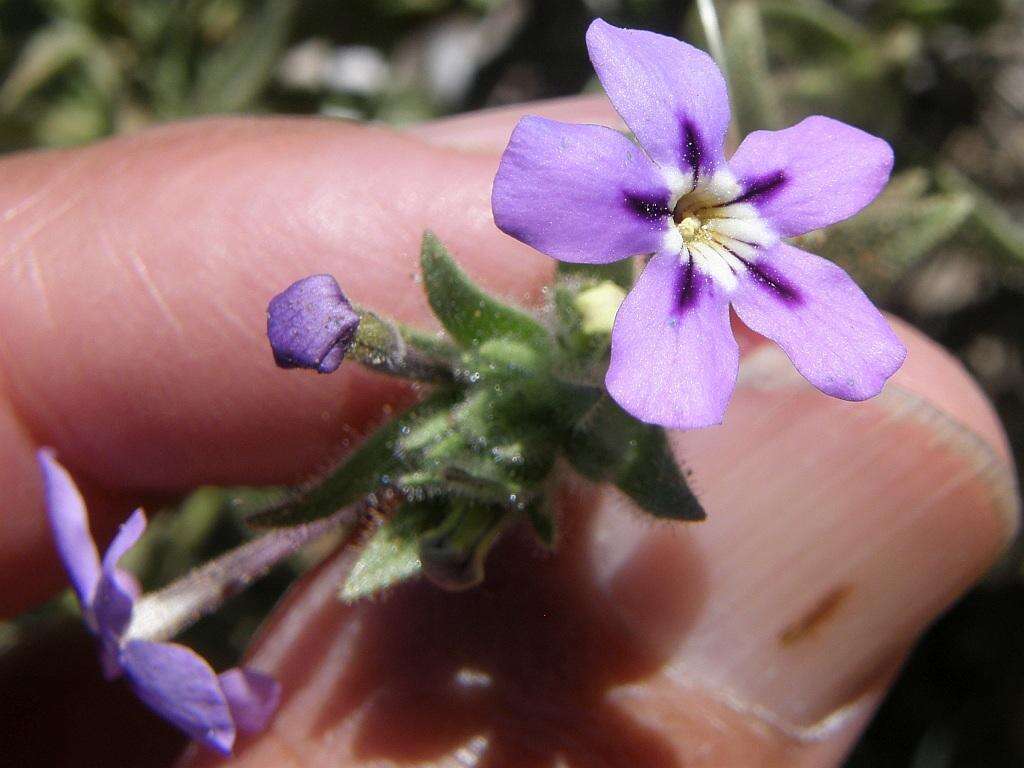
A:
932, 373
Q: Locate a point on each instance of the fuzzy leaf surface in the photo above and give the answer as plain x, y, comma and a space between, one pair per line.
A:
391, 555
361, 473
610, 445
470, 315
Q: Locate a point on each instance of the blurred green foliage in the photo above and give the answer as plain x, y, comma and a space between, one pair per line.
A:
944, 246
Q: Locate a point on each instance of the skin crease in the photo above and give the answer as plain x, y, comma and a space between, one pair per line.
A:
133, 280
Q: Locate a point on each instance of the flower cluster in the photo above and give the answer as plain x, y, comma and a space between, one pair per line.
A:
587, 194
171, 679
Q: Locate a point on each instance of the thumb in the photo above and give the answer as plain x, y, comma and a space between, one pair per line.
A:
765, 636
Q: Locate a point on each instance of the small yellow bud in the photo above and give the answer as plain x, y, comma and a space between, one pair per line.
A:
597, 306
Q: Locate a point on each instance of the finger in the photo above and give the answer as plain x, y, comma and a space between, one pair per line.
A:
488, 131
133, 281
134, 277
764, 636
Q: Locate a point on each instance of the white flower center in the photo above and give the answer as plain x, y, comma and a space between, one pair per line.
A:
718, 233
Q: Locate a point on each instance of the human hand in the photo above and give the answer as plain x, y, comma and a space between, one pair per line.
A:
135, 275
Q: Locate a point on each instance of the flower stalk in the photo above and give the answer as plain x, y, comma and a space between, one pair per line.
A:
383, 345
169, 611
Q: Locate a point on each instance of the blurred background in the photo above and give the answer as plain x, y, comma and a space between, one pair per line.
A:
942, 80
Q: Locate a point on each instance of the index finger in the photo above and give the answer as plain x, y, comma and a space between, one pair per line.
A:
134, 279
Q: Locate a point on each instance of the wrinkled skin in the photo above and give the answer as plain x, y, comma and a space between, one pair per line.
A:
133, 282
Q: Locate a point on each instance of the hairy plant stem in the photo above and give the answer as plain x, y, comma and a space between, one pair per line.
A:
167, 612
383, 346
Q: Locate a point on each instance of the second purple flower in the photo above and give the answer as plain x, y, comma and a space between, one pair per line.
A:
714, 228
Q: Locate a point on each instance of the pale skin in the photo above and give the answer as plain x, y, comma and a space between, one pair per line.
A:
133, 280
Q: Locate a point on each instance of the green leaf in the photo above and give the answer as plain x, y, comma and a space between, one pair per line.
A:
52, 49
754, 99
392, 554
999, 229
231, 77
610, 445
827, 25
452, 554
360, 474
467, 313
881, 244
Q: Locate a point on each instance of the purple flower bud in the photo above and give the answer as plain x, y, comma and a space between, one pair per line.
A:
311, 324
171, 679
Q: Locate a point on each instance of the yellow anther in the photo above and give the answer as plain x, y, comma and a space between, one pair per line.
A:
689, 227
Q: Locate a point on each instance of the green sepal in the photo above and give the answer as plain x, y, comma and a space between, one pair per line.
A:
452, 554
383, 345
470, 315
368, 467
391, 554
488, 447
619, 272
610, 445
501, 358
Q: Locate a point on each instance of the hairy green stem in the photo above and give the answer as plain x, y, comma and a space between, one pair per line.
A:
167, 612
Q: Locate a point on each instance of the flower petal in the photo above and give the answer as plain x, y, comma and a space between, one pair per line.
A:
177, 684
674, 359
252, 697
126, 538
580, 193
671, 95
813, 174
117, 590
311, 324
70, 524
831, 331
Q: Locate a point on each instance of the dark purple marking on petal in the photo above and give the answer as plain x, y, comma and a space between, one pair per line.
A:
692, 148
768, 277
689, 283
647, 207
761, 189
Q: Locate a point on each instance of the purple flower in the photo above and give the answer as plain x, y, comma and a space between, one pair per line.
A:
311, 324
585, 193
171, 679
